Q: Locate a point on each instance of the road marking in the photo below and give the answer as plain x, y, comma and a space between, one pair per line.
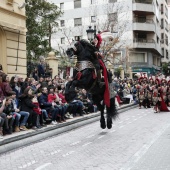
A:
134, 119
43, 166
55, 152
129, 122
90, 136
121, 127
112, 131
67, 154
87, 144
27, 165
120, 122
75, 143
139, 154
101, 136
127, 119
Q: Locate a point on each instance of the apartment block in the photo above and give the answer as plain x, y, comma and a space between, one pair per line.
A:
141, 25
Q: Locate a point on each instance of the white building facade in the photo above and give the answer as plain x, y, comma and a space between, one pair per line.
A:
141, 25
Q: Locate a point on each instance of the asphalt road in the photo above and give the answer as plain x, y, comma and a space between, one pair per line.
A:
139, 139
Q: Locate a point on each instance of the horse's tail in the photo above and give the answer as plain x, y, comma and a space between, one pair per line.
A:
112, 111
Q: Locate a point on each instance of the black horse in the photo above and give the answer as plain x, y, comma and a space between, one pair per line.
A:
84, 76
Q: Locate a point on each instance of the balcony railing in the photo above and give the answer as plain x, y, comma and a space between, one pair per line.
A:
143, 1
143, 40
139, 20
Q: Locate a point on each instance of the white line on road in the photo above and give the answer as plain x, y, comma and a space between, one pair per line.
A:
55, 152
120, 122
139, 154
90, 136
43, 166
127, 119
27, 165
112, 131
87, 144
75, 143
121, 127
67, 154
134, 119
129, 122
101, 136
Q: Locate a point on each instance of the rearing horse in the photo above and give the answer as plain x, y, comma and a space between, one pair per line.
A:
84, 76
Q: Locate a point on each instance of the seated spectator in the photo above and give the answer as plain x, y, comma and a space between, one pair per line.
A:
87, 101
38, 110
127, 94
15, 85
19, 125
34, 85
8, 110
48, 106
53, 97
28, 106
2, 117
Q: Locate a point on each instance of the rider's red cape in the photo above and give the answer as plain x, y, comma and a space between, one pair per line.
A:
106, 93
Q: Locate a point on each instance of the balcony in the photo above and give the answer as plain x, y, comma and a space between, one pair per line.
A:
143, 1
147, 44
143, 8
144, 25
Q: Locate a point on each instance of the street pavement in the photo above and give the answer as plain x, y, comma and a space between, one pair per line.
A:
139, 140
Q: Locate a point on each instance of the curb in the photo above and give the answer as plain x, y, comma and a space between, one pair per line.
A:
22, 140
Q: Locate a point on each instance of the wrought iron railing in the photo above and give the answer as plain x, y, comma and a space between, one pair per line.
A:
143, 1
143, 40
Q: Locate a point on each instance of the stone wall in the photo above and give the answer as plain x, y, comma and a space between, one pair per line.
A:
13, 37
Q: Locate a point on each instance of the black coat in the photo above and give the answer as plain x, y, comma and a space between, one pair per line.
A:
26, 104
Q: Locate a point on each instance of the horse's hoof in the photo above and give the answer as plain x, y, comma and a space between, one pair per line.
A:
103, 126
109, 126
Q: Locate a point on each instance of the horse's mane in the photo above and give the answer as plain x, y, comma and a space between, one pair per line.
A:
87, 44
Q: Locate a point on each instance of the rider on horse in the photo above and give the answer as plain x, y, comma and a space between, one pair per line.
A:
96, 43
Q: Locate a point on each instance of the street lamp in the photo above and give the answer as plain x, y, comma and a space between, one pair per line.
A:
91, 33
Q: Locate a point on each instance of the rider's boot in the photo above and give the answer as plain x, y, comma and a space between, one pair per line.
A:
101, 84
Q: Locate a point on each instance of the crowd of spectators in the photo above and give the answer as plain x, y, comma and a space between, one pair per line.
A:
35, 102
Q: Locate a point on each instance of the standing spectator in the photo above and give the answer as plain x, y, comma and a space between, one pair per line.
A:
41, 67
35, 74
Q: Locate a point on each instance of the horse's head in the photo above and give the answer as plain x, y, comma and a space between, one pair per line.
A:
75, 49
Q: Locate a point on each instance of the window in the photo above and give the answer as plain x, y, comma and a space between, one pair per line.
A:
112, 1
112, 17
117, 58
77, 38
155, 60
62, 23
162, 38
167, 54
63, 40
93, 19
77, 22
137, 57
93, 1
162, 23
162, 9
77, 4
61, 6
163, 52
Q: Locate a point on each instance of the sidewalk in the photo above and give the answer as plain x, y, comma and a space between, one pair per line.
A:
23, 138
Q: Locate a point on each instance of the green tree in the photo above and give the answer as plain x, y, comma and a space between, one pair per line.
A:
41, 24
